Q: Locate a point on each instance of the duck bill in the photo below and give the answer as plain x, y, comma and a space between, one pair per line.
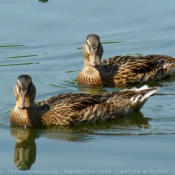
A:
94, 59
23, 101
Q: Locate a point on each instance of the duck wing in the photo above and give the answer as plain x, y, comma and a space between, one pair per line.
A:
72, 101
141, 69
117, 104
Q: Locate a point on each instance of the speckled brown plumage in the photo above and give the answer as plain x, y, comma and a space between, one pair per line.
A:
66, 109
121, 70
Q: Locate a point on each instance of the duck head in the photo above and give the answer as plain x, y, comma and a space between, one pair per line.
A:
92, 50
24, 91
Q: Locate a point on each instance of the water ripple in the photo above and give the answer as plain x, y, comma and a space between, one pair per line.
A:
19, 64
135, 124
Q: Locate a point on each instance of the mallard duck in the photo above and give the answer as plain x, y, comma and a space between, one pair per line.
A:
66, 109
121, 70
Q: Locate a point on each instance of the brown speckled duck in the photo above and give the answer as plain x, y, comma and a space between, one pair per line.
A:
121, 70
66, 109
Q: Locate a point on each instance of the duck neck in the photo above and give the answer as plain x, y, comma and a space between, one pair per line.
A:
29, 116
86, 64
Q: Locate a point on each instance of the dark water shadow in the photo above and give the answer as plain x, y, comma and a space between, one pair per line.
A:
12, 45
43, 1
25, 149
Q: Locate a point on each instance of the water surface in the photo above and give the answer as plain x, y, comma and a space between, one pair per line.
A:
44, 40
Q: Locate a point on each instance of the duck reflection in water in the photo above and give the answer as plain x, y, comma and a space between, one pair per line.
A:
25, 148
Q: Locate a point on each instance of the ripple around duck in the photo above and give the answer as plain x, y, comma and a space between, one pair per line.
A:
135, 124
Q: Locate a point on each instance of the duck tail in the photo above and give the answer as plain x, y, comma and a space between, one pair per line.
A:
142, 95
172, 71
131, 100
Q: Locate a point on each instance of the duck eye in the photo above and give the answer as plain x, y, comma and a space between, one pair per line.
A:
94, 48
19, 87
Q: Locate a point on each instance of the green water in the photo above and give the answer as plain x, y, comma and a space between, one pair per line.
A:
44, 40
